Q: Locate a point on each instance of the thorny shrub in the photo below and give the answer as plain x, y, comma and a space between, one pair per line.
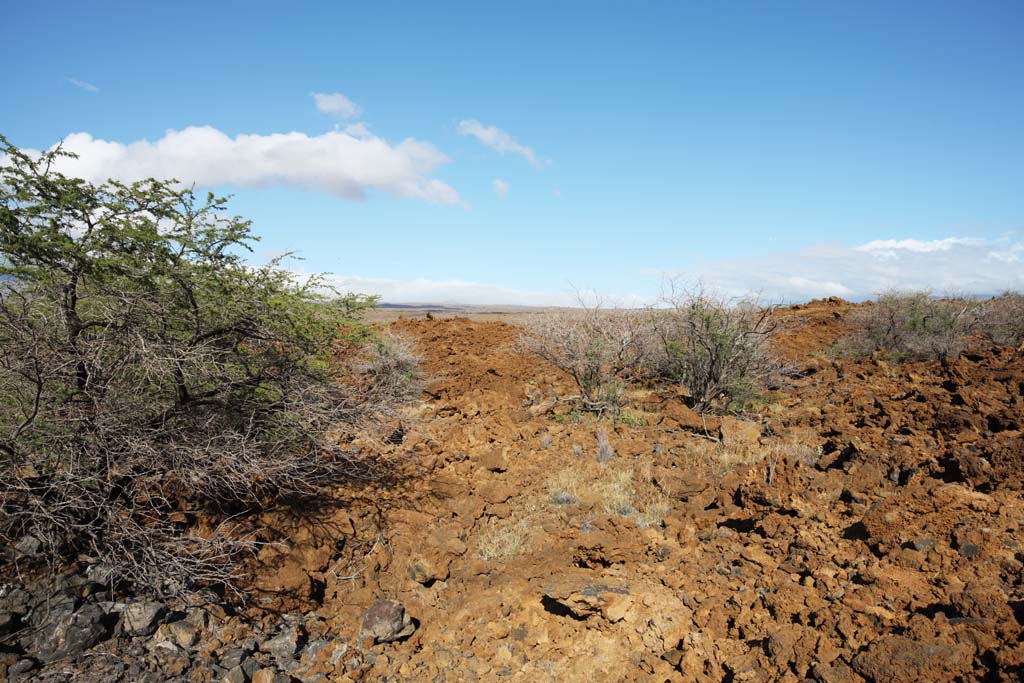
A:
1002, 319
911, 325
601, 349
715, 347
146, 369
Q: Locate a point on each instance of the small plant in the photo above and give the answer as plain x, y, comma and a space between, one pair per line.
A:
623, 495
632, 419
653, 512
714, 347
616, 494
911, 325
564, 487
393, 368
500, 540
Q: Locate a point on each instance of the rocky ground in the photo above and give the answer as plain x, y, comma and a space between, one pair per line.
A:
863, 524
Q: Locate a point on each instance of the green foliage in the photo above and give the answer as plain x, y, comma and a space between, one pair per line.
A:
631, 419
139, 353
715, 348
911, 325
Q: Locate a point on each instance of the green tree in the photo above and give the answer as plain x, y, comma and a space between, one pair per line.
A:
145, 364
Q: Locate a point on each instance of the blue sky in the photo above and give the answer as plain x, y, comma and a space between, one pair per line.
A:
508, 154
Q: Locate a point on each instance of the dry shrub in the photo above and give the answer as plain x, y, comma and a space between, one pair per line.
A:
393, 369
911, 325
715, 347
601, 349
1002, 319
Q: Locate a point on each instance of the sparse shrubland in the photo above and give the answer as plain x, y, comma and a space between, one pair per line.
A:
714, 347
146, 369
912, 325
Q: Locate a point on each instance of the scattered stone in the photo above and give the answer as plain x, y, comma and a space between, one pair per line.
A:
740, 435
387, 621
22, 666
923, 544
234, 657
73, 634
970, 550
142, 618
235, 675
494, 461
270, 676
8, 623
285, 645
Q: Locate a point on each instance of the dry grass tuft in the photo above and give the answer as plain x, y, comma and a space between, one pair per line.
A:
502, 539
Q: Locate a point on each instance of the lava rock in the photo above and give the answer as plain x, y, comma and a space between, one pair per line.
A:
387, 621
284, 645
73, 633
142, 618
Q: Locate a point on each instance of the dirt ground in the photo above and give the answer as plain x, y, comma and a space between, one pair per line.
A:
864, 524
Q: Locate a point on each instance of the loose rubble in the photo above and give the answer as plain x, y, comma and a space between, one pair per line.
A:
863, 525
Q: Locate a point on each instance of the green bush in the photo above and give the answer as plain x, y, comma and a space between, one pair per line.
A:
911, 325
145, 367
715, 348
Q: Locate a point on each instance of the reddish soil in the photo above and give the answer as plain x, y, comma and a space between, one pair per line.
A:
865, 525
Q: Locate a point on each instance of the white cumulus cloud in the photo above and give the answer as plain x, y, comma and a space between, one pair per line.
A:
496, 139
346, 165
501, 188
336, 104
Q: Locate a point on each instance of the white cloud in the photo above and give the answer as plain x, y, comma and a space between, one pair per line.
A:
496, 139
83, 85
336, 104
358, 130
920, 246
500, 188
343, 164
952, 265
